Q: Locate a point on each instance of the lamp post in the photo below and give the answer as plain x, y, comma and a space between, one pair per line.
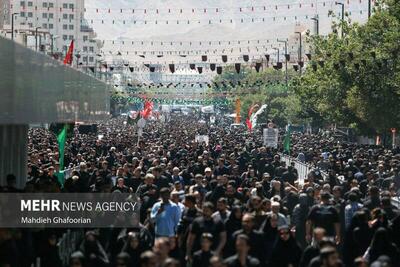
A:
286, 61
36, 38
12, 25
277, 49
300, 48
369, 8
316, 19
341, 4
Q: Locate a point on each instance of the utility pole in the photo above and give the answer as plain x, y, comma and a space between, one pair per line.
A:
277, 49
12, 25
36, 38
300, 48
342, 4
369, 8
286, 61
316, 19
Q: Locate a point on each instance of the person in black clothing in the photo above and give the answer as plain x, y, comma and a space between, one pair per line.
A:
357, 237
233, 224
49, 253
202, 257
123, 260
221, 169
160, 180
286, 251
242, 257
206, 224
133, 248
93, 251
256, 237
299, 218
373, 201
328, 257
270, 234
77, 259
325, 216
313, 250
382, 245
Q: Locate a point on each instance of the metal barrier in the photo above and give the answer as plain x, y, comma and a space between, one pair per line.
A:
302, 168
69, 244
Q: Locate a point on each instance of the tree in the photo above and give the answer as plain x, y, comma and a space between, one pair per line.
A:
355, 80
264, 87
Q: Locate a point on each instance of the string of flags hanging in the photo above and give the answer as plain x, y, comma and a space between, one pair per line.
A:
264, 19
196, 10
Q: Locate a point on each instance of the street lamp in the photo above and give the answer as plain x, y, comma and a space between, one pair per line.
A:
12, 25
369, 8
277, 49
341, 4
300, 48
316, 19
36, 35
286, 61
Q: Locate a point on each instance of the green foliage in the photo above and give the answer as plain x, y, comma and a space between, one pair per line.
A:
265, 87
359, 84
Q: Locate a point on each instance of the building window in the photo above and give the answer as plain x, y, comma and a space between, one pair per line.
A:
23, 3
51, 26
30, 3
30, 14
65, 37
65, 48
91, 59
44, 15
84, 59
65, 27
85, 38
91, 49
51, 15
71, 6
51, 5
44, 4
65, 16
44, 25
65, 5
71, 26
85, 49
22, 14
71, 37
30, 24
71, 16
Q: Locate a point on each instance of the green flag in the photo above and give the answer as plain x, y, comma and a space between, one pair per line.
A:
61, 138
286, 141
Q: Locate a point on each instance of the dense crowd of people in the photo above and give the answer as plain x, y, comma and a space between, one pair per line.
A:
230, 202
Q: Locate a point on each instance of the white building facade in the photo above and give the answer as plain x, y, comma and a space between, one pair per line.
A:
49, 26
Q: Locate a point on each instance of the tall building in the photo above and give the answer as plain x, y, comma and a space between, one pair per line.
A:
50, 26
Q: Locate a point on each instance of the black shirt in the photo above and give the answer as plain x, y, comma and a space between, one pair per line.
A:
201, 225
234, 262
324, 216
202, 258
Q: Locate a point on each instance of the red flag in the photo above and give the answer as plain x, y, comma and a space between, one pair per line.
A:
148, 108
69, 56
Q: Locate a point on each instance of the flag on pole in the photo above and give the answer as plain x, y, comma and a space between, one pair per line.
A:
286, 141
69, 56
238, 106
148, 109
249, 118
61, 139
